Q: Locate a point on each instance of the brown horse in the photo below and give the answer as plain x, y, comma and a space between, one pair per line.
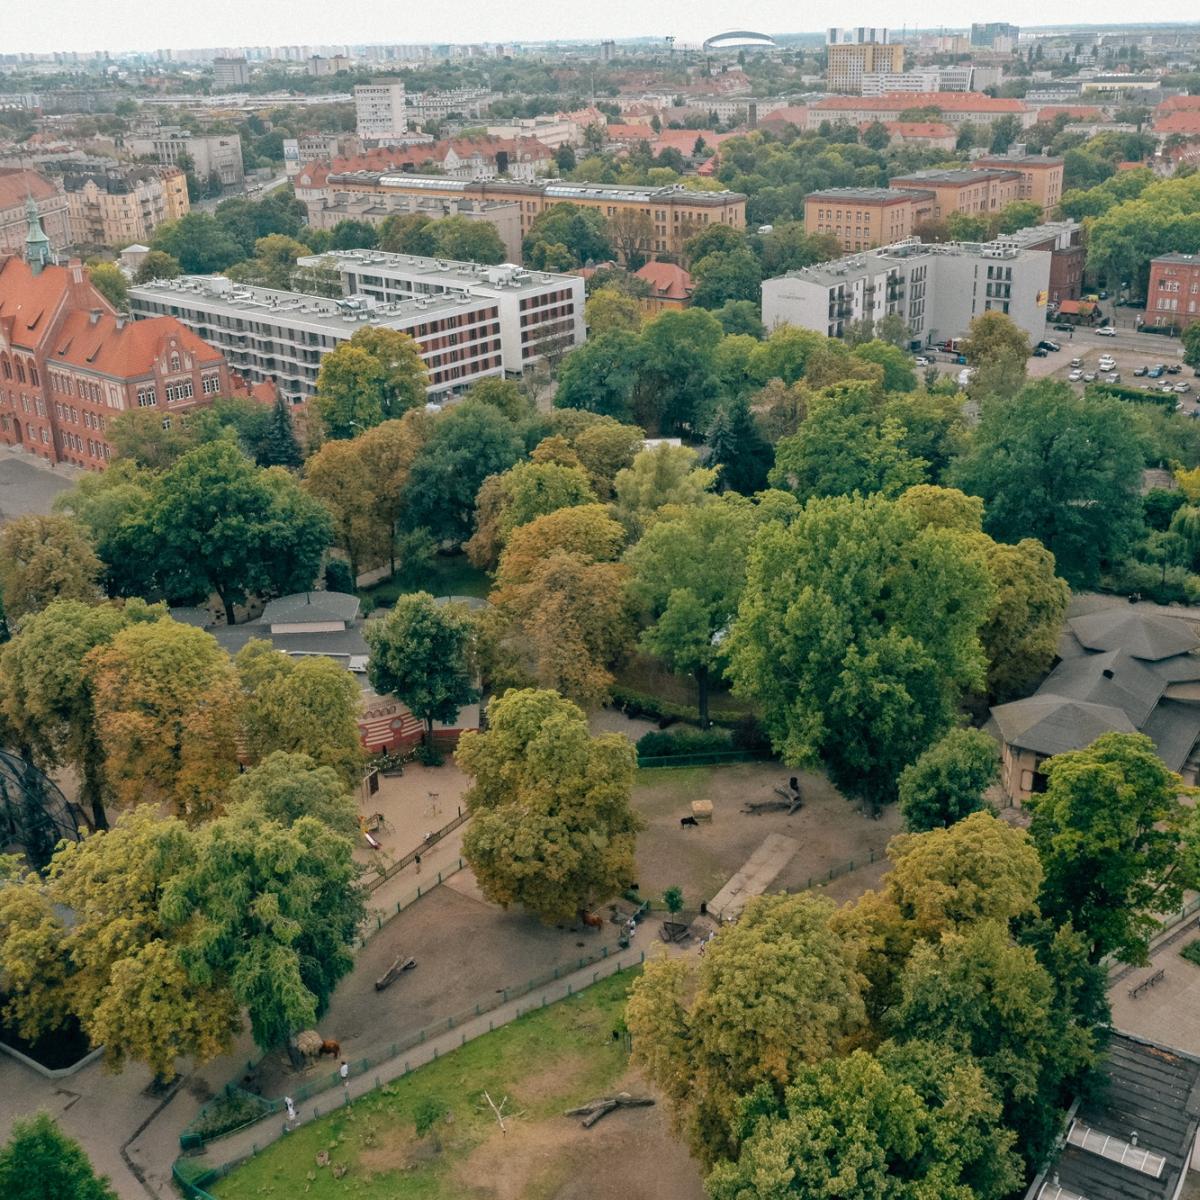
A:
591, 920
333, 1049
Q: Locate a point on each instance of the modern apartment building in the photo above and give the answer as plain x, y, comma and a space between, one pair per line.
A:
850, 63
114, 208
937, 290
469, 321
964, 77
675, 214
463, 103
995, 35
17, 186
379, 111
69, 363
215, 155
861, 218
1173, 297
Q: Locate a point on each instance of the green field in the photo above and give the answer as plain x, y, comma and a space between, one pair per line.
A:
544, 1062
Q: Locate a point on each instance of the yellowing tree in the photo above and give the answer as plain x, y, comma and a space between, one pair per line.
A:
44, 559
551, 826
167, 702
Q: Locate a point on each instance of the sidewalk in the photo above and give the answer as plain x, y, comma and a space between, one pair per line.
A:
249, 1141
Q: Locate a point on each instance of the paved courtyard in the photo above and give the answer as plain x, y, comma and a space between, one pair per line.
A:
1168, 1012
26, 488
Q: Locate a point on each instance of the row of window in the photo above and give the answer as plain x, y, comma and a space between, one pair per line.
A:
66, 412
7, 366
1172, 285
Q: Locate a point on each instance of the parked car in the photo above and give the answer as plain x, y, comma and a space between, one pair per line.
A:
1183, 386
1156, 372
923, 361
1174, 369
1113, 377
1063, 327
1047, 344
1038, 352
1107, 362
1077, 362
1106, 331
1103, 295
1089, 377
1075, 376
1140, 371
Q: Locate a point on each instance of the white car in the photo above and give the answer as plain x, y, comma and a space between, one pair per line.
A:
964, 376
1107, 362
1106, 331
922, 361
1075, 376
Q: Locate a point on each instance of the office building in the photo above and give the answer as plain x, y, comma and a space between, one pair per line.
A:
978, 191
469, 321
1173, 297
379, 111
862, 218
123, 205
217, 155
849, 63
989, 33
1041, 175
70, 363
937, 289
230, 73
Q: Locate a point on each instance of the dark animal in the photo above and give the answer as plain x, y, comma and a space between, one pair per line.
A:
333, 1049
685, 822
591, 920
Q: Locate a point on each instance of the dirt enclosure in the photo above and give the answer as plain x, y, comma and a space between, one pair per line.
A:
830, 829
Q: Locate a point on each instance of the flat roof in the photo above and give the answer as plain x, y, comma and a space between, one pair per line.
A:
1191, 260
554, 189
441, 271
297, 310
952, 176
1026, 160
867, 195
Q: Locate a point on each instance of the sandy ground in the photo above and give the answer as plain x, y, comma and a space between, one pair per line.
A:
466, 952
830, 830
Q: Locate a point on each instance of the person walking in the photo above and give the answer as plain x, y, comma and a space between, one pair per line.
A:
344, 1072
417, 861
290, 1105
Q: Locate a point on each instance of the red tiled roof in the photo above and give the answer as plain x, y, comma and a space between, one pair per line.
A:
1077, 112
667, 281
1186, 121
919, 129
952, 101
621, 133
17, 183
122, 348
684, 139
1178, 104
28, 302
793, 114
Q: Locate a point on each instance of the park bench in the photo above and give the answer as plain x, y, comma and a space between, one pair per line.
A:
1149, 982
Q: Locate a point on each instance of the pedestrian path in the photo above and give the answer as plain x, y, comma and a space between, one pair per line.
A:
246, 1142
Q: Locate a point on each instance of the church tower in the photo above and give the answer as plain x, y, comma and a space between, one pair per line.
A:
37, 245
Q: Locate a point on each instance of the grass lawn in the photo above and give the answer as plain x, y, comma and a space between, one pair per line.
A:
544, 1062
444, 575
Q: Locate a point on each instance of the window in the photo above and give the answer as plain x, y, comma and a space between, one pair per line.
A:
20, 371
146, 398
174, 362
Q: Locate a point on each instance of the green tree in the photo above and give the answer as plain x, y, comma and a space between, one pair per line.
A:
551, 828
46, 690
280, 447
993, 335
1117, 843
947, 782
306, 705
966, 227
579, 231
43, 559
407, 233
898, 373
857, 632
1062, 468
39, 1162
687, 573
198, 243
607, 310
714, 239
107, 279
166, 700
788, 247
665, 474
504, 395
736, 446
774, 992
843, 447
726, 275
785, 354
221, 524
466, 445
273, 264
1020, 214
463, 240
1191, 345
677, 382
876, 136
422, 653
286, 787
157, 265
604, 449
272, 912
353, 235
741, 316
600, 376
378, 375
140, 439
912, 1121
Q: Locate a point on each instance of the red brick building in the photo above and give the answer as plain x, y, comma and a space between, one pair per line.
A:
69, 363
1173, 298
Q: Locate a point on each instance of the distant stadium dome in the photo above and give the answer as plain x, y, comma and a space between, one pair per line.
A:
737, 39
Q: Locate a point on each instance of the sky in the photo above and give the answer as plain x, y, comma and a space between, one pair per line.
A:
40, 25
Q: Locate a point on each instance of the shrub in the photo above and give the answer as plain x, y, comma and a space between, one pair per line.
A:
673, 898
428, 1112
683, 741
749, 735
338, 577
228, 1111
1191, 952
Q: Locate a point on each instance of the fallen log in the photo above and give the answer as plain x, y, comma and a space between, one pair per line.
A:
394, 971
594, 1110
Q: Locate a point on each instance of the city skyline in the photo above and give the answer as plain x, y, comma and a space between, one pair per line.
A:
139, 25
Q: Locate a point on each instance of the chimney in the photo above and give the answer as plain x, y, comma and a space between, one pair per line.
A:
1107, 672
120, 323
93, 316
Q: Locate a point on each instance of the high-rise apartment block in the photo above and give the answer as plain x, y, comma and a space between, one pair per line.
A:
230, 73
855, 53
995, 35
379, 111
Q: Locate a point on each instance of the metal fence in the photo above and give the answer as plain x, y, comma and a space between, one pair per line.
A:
192, 1140
411, 856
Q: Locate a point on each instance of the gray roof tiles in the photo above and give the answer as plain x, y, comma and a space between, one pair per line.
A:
1141, 634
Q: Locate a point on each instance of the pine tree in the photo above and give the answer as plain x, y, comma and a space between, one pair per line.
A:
737, 447
280, 448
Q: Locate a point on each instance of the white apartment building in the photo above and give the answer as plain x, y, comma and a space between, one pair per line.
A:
937, 289
964, 77
470, 103
469, 321
379, 111
230, 73
220, 156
